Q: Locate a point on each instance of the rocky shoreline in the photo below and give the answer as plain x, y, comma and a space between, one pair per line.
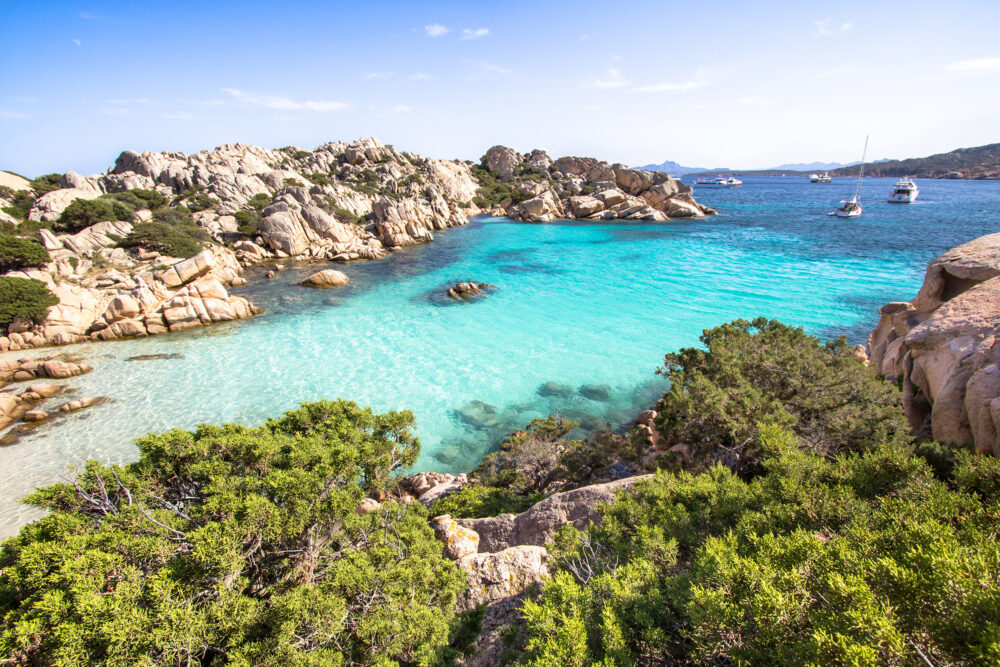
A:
340, 202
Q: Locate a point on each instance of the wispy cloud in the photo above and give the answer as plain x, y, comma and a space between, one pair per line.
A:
475, 33
419, 76
285, 103
119, 111
14, 115
87, 16
488, 66
827, 27
974, 65
670, 87
78, 42
20, 99
119, 101
614, 79
183, 115
435, 30
401, 108
379, 75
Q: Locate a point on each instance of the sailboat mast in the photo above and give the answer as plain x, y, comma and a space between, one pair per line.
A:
861, 172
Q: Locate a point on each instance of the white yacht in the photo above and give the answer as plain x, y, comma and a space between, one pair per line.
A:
825, 177
904, 192
718, 182
851, 208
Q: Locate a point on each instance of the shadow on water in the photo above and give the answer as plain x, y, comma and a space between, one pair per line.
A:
529, 267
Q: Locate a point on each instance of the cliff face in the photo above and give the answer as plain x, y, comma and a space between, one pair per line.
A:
943, 347
536, 188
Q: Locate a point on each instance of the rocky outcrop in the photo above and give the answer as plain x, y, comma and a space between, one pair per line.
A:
942, 346
539, 524
587, 189
460, 291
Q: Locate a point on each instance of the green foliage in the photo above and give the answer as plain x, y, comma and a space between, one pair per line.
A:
20, 203
201, 201
172, 232
856, 559
248, 218
234, 545
492, 191
20, 253
475, 501
46, 184
766, 371
587, 190
23, 297
344, 215
139, 199
294, 183
319, 179
82, 213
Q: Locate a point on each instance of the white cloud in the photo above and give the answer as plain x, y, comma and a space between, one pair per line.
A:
614, 56
974, 65
285, 103
178, 116
669, 87
419, 76
116, 111
613, 80
476, 33
826, 27
78, 42
14, 115
401, 108
435, 30
379, 75
488, 66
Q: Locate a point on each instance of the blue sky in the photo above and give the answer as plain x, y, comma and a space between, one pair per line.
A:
723, 83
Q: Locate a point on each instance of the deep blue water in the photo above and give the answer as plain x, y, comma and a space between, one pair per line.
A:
576, 303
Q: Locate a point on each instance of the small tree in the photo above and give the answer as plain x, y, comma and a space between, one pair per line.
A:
23, 297
20, 253
82, 213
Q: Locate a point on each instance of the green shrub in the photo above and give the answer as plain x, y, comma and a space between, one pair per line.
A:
46, 183
201, 201
587, 190
82, 213
171, 231
23, 297
858, 559
318, 179
20, 203
294, 183
20, 253
766, 371
476, 500
493, 192
139, 199
234, 545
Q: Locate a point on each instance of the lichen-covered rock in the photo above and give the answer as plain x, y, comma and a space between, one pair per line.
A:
504, 574
459, 541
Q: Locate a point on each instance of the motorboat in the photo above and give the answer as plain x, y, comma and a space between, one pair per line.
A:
904, 192
825, 177
851, 208
718, 182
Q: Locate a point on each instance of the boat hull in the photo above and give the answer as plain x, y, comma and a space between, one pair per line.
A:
848, 214
903, 199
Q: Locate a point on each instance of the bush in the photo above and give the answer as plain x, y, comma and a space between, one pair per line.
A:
172, 240
493, 192
857, 559
318, 179
20, 253
139, 199
82, 213
46, 183
23, 297
20, 203
234, 545
766, 371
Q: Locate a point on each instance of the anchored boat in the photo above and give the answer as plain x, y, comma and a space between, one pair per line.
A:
851, 208
904, 192
825, 177
718, 182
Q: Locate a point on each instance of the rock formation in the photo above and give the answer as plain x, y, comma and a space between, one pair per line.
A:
942, 346
586, 188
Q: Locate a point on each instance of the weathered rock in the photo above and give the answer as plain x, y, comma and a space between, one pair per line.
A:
943, 347
502, 160
458, 540
504, 574
479, 415
596, 392
326, 278
187, 270
538, 525
555, 389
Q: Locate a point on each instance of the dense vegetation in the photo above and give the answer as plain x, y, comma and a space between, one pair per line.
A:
23, 297
977, 162
20, 253
172, 231
492, 191
234, 545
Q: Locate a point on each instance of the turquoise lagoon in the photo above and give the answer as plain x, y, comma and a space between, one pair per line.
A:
576, 303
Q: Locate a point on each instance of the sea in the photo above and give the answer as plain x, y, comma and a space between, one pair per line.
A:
590, 307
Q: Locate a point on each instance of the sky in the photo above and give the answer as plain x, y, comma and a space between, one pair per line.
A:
727, 83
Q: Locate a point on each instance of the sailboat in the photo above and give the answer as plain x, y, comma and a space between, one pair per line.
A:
851, 208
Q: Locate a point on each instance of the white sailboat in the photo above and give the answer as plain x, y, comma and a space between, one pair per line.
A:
851, 208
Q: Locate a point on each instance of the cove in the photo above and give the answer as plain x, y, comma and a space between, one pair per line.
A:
577, 303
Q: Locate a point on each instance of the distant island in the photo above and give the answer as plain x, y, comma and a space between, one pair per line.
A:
978, 163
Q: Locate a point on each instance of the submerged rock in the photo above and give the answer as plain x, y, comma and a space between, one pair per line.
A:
479, 415
596, 392
462, 290
555, 389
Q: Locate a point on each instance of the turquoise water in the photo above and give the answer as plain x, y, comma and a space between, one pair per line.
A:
576, 303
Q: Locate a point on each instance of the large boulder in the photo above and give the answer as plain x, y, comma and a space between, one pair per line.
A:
492, 577
538, 525
502, 160
326, 278
50, 206
942, 347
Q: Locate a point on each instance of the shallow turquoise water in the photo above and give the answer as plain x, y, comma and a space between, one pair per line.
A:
576, 303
